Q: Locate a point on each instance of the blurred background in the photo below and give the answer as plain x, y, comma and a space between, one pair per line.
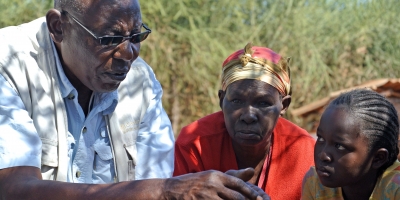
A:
334, 44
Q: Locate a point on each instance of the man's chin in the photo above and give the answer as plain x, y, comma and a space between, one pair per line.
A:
107, 88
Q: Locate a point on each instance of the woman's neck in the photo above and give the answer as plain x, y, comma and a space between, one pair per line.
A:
252, 156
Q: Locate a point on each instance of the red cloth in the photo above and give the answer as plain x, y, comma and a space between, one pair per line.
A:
259, 52
205, 144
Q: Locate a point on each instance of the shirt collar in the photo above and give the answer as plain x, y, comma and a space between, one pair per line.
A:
65, 86
109, 99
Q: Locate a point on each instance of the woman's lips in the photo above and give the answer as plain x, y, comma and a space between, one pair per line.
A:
322, 172
248, 135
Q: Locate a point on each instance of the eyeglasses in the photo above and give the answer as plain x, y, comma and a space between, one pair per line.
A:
111, 40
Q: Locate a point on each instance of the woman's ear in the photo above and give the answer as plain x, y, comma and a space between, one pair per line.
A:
381, 156
221, 95
53, 18
286, 100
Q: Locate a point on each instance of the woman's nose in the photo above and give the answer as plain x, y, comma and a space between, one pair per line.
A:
248, 115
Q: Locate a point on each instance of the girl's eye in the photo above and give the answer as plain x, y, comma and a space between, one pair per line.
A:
339, 146
320, 139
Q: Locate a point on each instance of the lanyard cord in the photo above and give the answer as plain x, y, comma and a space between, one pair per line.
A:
265, 169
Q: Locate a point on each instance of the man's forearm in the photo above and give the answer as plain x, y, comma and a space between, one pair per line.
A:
26, 183
20, 183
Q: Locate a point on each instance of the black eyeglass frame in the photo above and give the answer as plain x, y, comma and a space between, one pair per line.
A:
111, 40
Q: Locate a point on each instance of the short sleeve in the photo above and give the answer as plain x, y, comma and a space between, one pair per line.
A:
20, 144
155, 141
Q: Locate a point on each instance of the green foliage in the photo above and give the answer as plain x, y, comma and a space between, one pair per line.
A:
20, 11
333, 44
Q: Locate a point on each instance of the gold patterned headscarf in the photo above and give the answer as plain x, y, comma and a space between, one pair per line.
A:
257, 63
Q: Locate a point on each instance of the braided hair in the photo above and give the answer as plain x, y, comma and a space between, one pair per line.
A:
378, 120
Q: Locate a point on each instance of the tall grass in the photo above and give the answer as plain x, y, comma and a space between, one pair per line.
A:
15, 12
333, 45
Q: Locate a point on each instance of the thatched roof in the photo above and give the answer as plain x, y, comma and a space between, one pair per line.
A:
386, 87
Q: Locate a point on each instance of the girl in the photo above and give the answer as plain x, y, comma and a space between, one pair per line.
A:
356, 150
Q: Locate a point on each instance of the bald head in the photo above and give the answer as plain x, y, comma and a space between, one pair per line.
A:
82, 6
77, 6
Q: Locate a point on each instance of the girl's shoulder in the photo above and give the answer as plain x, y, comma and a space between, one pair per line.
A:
313, 189
388, 186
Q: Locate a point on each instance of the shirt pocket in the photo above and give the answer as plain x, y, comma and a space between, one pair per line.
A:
49, 153
103, 168
103, 150
102, 146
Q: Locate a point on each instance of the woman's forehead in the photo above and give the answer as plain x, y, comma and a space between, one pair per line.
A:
251, 86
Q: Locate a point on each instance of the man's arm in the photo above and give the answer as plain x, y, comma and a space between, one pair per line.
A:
155, 140
26, 183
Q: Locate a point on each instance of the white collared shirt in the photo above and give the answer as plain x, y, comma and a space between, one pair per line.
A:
88, 142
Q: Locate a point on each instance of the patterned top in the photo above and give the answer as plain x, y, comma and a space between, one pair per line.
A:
387, 187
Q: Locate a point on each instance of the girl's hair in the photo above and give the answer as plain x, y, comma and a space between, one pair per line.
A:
378, 120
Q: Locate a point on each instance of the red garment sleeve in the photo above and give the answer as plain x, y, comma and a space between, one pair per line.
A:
200, 145
292, 157
186, 160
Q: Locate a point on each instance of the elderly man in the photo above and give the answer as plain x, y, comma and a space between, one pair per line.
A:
249, 132
78, 105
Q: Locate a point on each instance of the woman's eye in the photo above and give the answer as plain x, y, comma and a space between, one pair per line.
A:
339, 146
320, 139
235, 101
264, 103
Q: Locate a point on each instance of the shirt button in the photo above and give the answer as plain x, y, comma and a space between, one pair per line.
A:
84, 129
71, 96
78, 174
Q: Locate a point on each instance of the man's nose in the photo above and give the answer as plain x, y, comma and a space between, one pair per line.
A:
127, 51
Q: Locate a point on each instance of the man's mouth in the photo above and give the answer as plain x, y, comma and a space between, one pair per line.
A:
117, 76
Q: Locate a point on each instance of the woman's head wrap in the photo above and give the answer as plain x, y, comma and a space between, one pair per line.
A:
257, 63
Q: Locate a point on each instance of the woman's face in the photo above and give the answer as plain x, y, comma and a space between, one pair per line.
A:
251, 109
341, 153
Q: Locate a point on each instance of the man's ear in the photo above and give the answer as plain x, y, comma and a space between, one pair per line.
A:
53, 18
381, 156
221, 95
286, 100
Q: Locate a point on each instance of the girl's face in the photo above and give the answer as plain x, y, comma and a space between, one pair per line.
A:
341, 153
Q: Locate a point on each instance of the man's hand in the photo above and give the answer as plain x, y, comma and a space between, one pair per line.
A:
261, 194
245, 175
212, 185
26, 183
